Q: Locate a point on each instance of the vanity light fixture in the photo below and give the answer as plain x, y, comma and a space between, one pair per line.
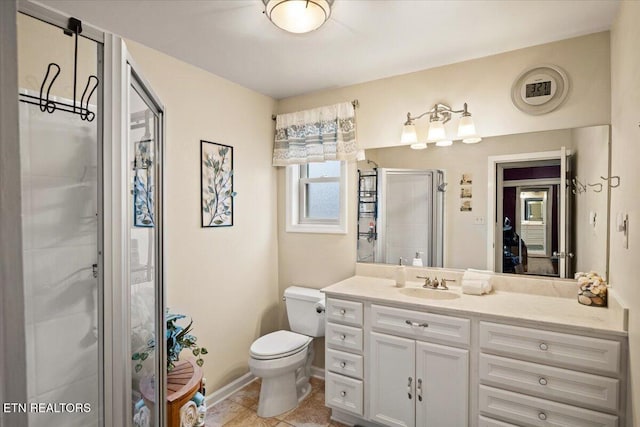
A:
438, 116
298, 16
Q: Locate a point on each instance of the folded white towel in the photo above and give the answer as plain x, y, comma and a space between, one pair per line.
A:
474, 287
485, 276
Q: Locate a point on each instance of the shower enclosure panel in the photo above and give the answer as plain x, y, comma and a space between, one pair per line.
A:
410, 220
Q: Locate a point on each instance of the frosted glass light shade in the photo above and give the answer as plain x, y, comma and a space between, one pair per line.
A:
360, 156
419, 146
436, 131
409, 135
444, 143
472, 139
298, 16
466, 127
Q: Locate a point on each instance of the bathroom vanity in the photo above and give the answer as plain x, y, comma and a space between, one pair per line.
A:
524, 355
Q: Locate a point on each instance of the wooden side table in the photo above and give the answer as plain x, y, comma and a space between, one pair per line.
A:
183, 382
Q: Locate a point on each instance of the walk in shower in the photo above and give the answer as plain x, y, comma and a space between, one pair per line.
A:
91, 180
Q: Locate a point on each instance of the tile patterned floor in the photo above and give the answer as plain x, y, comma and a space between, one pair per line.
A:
239, 410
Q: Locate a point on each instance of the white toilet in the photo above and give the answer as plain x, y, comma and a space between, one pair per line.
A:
283, 358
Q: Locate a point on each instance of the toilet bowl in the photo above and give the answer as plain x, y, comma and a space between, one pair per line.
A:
283, 358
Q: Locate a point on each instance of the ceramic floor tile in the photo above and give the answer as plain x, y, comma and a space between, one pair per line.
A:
247, 396
311, 413
251, 419
224, 412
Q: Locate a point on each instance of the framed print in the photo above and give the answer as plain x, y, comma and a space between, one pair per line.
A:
216, 167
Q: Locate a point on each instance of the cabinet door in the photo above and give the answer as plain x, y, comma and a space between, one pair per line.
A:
442, 386
392, 385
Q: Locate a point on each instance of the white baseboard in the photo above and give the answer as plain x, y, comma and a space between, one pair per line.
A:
227, 390
317, 372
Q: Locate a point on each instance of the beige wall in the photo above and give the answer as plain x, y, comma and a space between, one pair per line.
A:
625, 118
485, 84
224, 278
591, 162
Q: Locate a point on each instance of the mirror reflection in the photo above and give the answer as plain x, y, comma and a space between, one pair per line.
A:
499, 205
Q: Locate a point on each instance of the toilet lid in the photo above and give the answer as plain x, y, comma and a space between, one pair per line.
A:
278, 344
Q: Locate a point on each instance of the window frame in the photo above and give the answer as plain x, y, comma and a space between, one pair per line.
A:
296, 202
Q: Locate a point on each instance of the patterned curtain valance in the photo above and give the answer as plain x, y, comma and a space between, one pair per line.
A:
317, 135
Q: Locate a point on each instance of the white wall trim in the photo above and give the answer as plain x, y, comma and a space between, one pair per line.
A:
13, 372
227, 390
317, 372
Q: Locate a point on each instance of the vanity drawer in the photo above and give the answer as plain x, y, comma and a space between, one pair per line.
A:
549, 382
344, 363
575, 351
489, 422
531, 411
343, 337
420, 325
341, 311
344, 393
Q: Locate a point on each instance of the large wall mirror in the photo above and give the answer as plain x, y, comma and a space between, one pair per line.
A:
501, 204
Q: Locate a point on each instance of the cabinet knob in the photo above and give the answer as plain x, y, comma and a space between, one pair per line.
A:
542, 416
343, 337
343, 393
343, 311
542, 381
543, 346
343, 364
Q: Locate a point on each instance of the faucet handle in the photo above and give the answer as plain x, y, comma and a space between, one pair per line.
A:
427, 281
443, 282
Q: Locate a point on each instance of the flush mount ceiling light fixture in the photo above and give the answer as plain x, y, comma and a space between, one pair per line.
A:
298, 16
438, 116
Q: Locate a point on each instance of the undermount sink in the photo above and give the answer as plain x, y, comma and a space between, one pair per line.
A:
426, 293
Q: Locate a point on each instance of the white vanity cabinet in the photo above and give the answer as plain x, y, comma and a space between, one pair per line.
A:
533, 377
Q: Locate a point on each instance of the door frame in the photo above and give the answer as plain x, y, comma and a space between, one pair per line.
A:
494, 163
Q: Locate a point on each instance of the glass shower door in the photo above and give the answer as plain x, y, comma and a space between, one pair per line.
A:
144, 148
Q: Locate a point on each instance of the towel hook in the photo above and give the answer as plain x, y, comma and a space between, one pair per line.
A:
578, 187
598, 184
610, 179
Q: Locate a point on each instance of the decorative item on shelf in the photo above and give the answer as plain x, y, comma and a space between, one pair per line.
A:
439, 115
298, 16
216, 170
178, 338
592, 289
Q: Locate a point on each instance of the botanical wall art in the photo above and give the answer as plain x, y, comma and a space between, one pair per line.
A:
216, 165
143, 198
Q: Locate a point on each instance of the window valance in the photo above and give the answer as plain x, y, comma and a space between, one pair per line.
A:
316, 135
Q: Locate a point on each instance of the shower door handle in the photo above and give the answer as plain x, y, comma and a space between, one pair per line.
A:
94, 270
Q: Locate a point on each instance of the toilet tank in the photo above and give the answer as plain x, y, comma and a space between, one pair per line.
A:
305, 310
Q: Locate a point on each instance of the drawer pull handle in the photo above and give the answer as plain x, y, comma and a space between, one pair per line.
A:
542, 381
419, 389
543, 346
542, 416
422, 325
343, 337
343, 364
343, 311
343, 393
409, 388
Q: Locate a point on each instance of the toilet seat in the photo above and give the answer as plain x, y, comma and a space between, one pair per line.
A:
278, 344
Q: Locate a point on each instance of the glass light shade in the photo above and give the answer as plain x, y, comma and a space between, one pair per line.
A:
409, 135
472, 139
444, 143
298, 16
419, 146
466, 127
360, 156
436, 131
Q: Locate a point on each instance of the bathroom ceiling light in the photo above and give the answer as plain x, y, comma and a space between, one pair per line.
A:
439, 115
298, 16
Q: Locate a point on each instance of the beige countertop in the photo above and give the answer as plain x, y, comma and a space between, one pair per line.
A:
499, 304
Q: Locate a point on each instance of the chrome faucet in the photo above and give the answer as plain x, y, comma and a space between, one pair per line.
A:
434, 283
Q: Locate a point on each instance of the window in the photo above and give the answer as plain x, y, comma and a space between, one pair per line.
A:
316, 197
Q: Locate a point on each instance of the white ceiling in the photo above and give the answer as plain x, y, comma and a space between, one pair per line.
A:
363, 40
